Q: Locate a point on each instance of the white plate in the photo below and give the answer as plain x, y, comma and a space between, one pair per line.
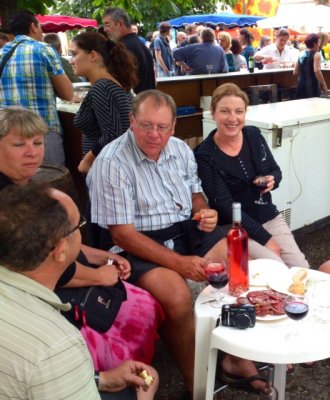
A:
282, 283
271, 317
263, 270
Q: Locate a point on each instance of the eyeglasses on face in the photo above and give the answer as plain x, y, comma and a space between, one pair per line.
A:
149, 127
82, 223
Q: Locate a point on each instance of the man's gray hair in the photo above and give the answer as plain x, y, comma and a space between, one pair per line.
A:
159, 98
207, 35
117, 14
54, 40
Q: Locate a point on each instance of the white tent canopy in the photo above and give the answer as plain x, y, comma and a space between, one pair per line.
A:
309, 18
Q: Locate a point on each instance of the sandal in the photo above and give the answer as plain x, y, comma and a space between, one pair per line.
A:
240, 382
308, 365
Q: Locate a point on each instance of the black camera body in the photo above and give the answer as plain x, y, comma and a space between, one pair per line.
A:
238, 316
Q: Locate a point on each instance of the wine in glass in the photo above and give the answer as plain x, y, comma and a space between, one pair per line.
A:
217, 276
261, 183
296, 308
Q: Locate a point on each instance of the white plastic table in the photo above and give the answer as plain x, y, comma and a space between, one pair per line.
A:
265, 342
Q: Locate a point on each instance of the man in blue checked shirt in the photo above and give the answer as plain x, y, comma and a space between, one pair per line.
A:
31, 78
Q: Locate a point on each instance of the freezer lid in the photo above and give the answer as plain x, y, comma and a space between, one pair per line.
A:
286, 113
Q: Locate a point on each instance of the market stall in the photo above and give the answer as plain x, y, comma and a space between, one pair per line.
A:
62, 23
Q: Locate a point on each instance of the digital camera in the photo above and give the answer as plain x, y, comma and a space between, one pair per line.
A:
238, 316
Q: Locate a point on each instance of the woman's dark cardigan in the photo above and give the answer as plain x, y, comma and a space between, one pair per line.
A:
215, 175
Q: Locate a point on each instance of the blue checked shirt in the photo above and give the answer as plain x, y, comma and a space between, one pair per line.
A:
25, 80
126, 187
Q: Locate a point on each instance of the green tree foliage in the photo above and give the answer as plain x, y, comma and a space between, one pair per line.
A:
10, 7
149, 12
145, 12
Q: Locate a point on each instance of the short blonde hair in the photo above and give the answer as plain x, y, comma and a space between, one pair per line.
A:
227, 89
226, 38
26, 122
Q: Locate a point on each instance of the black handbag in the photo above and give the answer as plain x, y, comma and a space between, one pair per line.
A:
94, 306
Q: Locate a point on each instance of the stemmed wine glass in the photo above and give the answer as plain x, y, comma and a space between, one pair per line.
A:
217, 276
296, 308
261, 183
209, 67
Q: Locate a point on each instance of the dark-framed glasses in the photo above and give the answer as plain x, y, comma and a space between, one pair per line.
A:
81, 223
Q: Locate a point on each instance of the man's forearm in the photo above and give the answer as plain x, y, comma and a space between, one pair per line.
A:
84, 276
95, 256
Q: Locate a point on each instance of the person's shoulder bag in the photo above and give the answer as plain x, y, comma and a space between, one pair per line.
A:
7, 56
93, 306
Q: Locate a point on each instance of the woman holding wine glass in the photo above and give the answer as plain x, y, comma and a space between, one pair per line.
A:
235, 164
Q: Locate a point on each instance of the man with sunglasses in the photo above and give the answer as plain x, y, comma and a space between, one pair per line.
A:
43, 356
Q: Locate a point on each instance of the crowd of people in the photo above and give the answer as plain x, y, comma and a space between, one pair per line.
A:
156, 211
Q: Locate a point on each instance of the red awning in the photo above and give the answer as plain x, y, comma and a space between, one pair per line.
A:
57, 23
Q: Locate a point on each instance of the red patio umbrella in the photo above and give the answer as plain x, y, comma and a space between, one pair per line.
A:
57, 23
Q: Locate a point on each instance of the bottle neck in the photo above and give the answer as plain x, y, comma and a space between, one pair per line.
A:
237, 216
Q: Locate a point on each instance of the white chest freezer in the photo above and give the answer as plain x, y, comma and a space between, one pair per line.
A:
298, 133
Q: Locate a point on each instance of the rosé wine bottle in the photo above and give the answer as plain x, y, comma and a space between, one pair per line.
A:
238, 257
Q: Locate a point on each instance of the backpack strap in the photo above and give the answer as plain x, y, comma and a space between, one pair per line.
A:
7, 56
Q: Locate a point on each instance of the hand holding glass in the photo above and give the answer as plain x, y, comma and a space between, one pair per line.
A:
261, 183
217, 276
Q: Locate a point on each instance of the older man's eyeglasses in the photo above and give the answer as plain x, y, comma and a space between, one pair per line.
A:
149, 127
82, 223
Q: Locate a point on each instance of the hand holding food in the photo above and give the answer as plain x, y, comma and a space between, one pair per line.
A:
148, 379
197, 216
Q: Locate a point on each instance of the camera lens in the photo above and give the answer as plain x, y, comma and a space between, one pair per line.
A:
242, 321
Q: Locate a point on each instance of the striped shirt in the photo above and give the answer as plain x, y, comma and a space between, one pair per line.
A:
43, 356
26, 78
103, 115
126, 187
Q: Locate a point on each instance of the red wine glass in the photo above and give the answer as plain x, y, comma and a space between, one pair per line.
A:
217, 276
261, 183
296, 308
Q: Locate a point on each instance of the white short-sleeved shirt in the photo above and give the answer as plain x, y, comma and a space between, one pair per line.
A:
288, 54
126, 187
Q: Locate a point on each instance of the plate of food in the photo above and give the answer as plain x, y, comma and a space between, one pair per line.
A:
294, 281
261, 271
269, 304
